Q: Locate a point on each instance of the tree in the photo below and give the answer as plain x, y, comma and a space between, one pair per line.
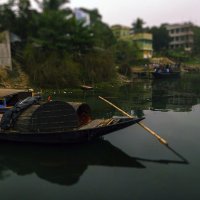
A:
95, 16
57, 49
102, 34
125, 54
98, 66
24, 18
17, 17
7, 16
161, 38
137, 25
45, 5
196, 47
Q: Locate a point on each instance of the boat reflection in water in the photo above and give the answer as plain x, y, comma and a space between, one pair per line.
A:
174, 95
65, 165
60, 164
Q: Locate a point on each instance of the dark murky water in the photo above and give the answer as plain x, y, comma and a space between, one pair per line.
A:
127, 164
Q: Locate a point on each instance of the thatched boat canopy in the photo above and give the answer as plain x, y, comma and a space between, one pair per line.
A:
53, 116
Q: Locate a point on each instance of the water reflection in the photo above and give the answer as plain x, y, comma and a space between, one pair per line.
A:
65, 165
172, 95
163, 94
179, 95
59, 164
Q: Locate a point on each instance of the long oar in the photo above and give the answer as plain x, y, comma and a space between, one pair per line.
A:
161, 140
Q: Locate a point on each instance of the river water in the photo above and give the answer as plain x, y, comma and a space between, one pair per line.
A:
126, 165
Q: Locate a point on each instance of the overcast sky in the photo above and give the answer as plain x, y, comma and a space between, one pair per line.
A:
153, 12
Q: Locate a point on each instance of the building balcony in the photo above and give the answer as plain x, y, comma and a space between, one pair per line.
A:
189, 33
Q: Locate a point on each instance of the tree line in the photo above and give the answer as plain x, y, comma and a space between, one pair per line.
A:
57, 50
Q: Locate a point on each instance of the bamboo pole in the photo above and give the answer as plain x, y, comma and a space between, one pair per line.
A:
160, 139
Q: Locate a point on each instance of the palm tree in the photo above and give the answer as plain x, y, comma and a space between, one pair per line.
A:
138, 25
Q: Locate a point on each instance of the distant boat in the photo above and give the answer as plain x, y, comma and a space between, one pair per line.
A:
86, 87
160, 75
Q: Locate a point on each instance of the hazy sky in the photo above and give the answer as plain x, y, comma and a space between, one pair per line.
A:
153, 12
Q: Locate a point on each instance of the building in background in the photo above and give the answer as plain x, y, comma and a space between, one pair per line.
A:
181, 35
120, 31
5, 51
82, 16
143, 41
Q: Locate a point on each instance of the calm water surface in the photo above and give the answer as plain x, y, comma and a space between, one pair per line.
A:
126, 165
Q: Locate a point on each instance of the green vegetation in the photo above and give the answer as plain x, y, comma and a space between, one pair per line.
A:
161, 38
196, 49
137, 26
57, 50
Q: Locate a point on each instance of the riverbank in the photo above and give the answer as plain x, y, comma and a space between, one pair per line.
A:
15, 79
190, 68
18, 79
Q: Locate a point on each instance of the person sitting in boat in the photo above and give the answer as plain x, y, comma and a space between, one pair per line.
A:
84, 118
167, 70
170, 69
158, 69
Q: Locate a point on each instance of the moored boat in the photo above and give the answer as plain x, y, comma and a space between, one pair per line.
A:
57, 122
159, 75
86, 87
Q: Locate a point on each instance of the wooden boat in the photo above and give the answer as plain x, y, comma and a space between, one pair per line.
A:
9, 97
159, 75
57, 122
86, 87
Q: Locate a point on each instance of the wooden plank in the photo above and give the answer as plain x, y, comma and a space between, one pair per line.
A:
92, 124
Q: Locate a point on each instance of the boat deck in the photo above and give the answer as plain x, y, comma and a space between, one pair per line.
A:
97, 123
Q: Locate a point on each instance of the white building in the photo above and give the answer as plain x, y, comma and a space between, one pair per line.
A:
82, 16
181, 35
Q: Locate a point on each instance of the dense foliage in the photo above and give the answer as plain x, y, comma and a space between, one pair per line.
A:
137, 26
196, 49
56, 49
161, 38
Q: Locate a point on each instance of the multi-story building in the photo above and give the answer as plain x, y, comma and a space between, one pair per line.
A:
143, 41
181, 35
144, 44
120, 31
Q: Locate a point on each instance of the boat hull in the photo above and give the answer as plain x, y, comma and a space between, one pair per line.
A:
165, 75
68, 137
